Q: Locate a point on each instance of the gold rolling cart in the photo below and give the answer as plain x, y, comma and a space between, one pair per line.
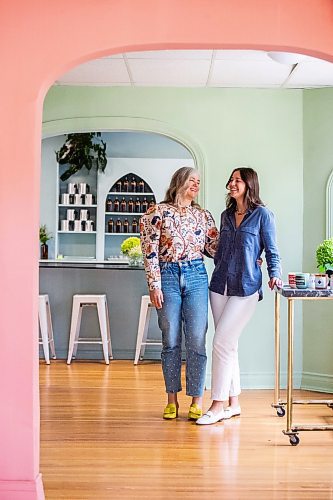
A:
292, 295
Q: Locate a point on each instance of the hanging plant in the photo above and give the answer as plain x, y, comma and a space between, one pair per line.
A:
82, 150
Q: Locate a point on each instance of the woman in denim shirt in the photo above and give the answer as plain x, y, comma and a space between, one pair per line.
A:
247, 228
175, 234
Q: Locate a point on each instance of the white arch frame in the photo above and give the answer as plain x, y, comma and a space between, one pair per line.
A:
329, 206
131, 124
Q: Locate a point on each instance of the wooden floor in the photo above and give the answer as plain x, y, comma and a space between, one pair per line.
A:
102, 437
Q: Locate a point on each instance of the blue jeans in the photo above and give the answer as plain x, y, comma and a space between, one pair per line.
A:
185, 307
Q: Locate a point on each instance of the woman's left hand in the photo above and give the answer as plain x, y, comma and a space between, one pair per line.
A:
275, 282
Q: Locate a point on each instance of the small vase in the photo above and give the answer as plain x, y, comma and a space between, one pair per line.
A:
134, 261
44, 251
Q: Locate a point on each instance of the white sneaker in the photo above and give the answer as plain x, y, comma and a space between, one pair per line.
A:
232, 411
210, 418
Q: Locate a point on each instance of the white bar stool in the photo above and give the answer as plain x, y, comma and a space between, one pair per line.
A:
99, 301
45, 325
141, 339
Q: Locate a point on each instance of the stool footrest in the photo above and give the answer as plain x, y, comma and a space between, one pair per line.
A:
89, 341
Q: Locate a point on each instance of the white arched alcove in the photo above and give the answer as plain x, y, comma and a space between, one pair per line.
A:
130, 124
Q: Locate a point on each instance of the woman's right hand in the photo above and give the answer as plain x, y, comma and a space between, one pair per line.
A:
156, 298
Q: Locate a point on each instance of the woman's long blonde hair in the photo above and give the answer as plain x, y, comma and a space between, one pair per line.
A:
178, 186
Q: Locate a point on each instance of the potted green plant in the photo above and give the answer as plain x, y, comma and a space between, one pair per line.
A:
324, 255
82, 150
44, 237
132, 249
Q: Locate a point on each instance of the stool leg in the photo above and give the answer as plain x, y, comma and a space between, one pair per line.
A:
43, 329
101, 308
108, 329
141, 328
77, 332
145, 332
74, 331
50, 330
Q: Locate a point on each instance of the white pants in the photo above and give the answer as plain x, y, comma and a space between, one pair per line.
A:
231, 314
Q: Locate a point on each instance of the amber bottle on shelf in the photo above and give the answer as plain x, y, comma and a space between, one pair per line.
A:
123, 205
125, 226
130, 207
152, 203
135, 226
125, 185
133, 185
141, 186
137, 206
144, 205
116, 205
108, 205
110, 226
118, 226
119, 186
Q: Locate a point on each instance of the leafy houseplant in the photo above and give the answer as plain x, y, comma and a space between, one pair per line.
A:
324, 255
44, 237
82, 150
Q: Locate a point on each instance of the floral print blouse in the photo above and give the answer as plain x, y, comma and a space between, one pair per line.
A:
171, 234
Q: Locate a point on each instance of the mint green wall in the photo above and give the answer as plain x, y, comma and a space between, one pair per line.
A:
318, 165
224, 128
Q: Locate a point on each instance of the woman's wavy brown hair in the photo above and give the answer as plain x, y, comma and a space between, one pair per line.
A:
178, 186
252, 198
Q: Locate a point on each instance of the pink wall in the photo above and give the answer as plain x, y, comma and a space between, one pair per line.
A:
41, 40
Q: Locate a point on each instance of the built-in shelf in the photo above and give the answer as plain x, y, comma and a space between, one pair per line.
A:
112, 193
71, 205
125, 213
112, 241
77, 232
122, 234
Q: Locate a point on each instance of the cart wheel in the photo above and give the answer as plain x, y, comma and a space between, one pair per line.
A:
294, 440
280, 411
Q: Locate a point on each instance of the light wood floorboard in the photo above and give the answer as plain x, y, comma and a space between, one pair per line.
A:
102, 437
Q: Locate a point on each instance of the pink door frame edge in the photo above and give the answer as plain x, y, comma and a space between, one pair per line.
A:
32, 63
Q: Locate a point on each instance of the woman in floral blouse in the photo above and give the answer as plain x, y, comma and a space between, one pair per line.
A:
175, 234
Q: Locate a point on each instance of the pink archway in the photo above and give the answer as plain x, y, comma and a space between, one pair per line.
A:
41, 40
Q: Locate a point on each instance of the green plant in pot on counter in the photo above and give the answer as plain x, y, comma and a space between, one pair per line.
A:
324, 255
44, 237
82, 150
132, 249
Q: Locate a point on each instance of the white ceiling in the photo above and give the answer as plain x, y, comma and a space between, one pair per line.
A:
201, 68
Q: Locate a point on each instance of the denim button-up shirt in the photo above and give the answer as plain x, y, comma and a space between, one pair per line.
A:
236, 268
